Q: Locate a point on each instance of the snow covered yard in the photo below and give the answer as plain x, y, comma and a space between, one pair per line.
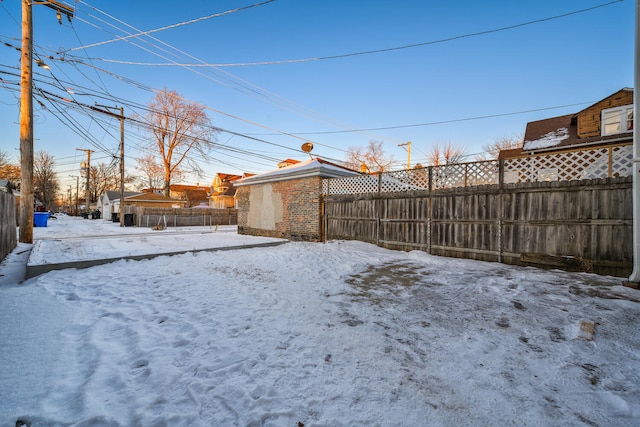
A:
336, 334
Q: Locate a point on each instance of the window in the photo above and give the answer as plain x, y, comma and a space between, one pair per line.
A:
617, 120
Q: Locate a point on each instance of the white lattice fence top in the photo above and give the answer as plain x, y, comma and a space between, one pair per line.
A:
615, 161
571, 165
351, 185
622, 161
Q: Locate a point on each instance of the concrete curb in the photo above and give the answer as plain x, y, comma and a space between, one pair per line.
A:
36, 270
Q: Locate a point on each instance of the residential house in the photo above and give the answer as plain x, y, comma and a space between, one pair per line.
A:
192, 194
105, 203
223, 192
596, 142
7, 186
149, 200
287, 162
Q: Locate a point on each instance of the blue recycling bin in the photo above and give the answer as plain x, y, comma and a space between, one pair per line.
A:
40, 219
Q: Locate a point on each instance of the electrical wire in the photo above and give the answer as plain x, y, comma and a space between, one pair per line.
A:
180, 24
373, 51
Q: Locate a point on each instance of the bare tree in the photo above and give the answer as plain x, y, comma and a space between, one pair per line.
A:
371, 158
181, 130
45, 180
9, 170
446, 154
104, 177
153, 172
4, 158
503, 143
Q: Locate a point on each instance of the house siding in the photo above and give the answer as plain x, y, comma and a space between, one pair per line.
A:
590, 118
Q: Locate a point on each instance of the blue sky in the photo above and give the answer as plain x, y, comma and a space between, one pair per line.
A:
430, 94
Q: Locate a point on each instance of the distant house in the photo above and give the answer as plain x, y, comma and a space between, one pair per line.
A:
192, 194
223, 192
287, 162
149, 200
593, 143
7, 186
105, 202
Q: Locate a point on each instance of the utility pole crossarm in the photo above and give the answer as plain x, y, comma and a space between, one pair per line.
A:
59, 7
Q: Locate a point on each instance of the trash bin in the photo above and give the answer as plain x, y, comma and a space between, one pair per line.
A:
114, 217
128, 220
40, 219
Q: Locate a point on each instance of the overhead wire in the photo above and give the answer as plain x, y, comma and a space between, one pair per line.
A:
180, 24
242, 85
374, 51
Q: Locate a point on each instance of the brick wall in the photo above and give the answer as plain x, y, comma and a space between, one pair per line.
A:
300, 206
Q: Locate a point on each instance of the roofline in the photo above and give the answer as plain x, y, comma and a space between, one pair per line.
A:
580, 145
624, 89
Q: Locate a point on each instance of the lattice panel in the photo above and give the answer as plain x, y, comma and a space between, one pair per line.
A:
567, 166
622, 161
351, 185
584, 164
482, 173
404, 180
449, 176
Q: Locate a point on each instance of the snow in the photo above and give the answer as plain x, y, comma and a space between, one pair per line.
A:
336, 334
548, 140
312, 167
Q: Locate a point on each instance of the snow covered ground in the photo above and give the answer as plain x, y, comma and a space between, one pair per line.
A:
336, 334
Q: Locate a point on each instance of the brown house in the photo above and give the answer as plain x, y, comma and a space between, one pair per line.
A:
596, 142
193, 195
149, 200
607, 122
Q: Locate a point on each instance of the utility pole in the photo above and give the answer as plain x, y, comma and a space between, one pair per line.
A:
25, 234
26, 127
77, 177
121, 118
87, 169
408, 145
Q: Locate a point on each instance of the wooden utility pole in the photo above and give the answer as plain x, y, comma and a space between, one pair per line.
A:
121, 118
408, 145
77, 177
26, 127
87, 169
25, 234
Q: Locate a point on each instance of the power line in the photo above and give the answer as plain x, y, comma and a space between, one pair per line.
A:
369, 52
145, 33
490, 116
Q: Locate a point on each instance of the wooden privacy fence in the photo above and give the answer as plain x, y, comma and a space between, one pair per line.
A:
583, 225
8, 233
180, 217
